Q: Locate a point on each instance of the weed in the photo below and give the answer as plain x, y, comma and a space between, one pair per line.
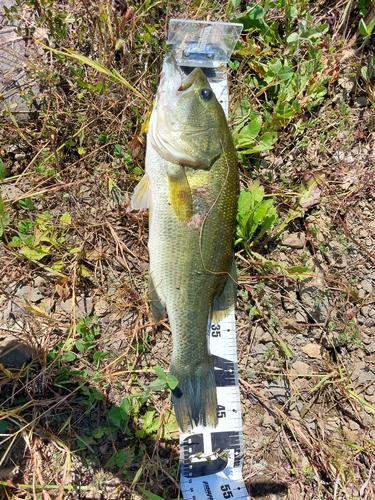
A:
4, 218
256, 215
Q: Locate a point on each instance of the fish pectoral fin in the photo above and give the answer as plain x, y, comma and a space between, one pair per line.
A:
157, 308
180, 193
141, 199
226, 301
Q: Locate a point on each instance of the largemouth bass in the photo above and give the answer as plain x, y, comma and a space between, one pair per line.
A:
190, 187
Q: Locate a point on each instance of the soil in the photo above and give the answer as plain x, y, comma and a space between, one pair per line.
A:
306, 345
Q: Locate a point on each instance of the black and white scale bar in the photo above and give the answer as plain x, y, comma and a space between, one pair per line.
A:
212, 458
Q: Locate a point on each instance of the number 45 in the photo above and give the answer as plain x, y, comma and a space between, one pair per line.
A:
227, 493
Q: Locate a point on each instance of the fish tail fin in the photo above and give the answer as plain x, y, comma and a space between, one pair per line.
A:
195, 398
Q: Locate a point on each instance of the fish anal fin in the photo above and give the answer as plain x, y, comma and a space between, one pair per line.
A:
226, 301
141, 199
180, 193
157, 308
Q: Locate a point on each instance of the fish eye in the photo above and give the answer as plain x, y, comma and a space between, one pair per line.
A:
206, 94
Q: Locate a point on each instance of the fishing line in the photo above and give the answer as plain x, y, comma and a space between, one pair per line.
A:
216, 273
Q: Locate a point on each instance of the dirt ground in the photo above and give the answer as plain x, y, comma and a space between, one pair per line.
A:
76, 417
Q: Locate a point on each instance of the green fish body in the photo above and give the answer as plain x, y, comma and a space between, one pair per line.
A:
190, 187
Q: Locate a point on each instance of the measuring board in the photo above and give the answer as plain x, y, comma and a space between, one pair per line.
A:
212, 458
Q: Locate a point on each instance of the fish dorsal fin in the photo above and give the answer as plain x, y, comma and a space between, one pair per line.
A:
226, 301
141, 199
157, 308
180, 192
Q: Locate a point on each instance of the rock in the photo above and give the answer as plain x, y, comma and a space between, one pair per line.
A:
260, 349
365, 310
16, 50
14, 354
83, 305
312, 350
39, 282
277, 391
10, 192
370, 399
336, 255
371, 347
353, 425
301, 368
289, 298
302, 384
268, 420
301, 317
348, 84
315, 301
361, 101
362, 374
294, 240
101, 308
332, 424
366, 339
35, 295
366, 286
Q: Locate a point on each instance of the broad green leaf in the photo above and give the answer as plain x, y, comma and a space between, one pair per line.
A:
150, 423
284, 347
364, 73
293, 37
66, 219
26, 203
4, 221
298, 270
248, 133
160, 372
157, 385
285, 73
119, 415
119, 459
363, 29
266, 141
80, 346
4, 424
33, 253
172, 382
83, 270
69, 356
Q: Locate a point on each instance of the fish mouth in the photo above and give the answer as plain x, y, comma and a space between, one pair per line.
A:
172, 79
